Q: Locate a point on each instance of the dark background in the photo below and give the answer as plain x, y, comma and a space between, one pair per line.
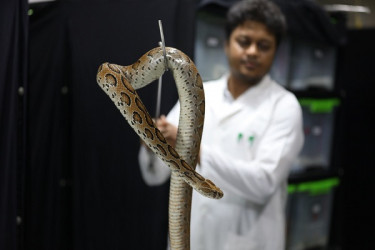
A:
69, 176
68, 165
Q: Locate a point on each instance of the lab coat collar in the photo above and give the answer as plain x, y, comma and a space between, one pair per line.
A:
251, 96
255, 93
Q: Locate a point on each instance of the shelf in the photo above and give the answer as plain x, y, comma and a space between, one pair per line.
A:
313, 174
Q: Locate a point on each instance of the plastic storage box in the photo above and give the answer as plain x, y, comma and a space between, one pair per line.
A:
318, 122
312, 65
309, 214
209, 46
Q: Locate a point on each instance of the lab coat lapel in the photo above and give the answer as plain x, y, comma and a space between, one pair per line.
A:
255, 95
226, 110
258, 100
250, 98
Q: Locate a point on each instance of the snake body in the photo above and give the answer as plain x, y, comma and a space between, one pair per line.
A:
120, 83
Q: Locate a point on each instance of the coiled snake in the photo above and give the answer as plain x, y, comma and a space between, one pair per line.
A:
120, 82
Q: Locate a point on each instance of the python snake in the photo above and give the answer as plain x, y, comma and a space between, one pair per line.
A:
120, 83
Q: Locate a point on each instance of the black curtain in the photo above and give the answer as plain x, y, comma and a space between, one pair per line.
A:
84, 188
13, 46
354, 205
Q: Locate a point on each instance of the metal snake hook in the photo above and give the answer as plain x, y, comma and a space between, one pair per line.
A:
158, 96
162, 45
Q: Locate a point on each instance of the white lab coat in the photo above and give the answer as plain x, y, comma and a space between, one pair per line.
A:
247, 149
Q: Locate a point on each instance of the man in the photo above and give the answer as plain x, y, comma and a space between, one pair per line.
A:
251, 135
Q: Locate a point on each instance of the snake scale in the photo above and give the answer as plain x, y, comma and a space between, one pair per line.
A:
120, 84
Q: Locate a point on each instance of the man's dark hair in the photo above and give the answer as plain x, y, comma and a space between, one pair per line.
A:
262, 11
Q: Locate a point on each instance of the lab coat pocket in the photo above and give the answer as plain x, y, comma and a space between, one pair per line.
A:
244, 144
243, 242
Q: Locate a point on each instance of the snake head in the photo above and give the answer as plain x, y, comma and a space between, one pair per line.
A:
108, 76
209, 189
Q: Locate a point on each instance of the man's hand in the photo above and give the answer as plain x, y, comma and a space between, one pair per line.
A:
168, 130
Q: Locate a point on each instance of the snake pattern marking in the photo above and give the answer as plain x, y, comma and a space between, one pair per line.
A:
120, 83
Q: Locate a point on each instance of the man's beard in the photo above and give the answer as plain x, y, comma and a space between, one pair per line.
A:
251, 81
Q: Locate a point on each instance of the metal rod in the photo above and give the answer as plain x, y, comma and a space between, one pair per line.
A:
162, 45
158, 98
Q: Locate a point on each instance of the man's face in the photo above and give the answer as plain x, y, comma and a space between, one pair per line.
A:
250, 51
